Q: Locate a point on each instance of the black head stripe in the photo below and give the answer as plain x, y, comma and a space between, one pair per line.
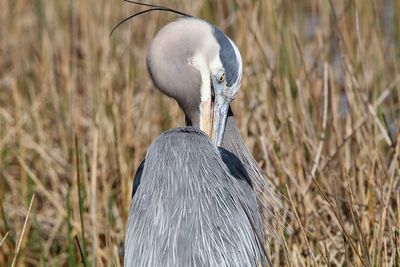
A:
227, 56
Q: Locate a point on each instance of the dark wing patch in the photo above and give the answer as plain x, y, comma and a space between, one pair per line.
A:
228, 57
234, 165
137, 178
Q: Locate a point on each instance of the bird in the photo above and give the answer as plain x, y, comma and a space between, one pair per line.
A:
199, 197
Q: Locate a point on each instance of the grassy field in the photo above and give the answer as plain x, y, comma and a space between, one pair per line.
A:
319, 108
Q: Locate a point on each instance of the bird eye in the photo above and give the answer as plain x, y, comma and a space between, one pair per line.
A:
221, 78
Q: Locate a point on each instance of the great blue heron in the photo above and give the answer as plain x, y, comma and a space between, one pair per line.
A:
198, 202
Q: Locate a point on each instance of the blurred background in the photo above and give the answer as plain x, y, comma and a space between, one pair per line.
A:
319, 108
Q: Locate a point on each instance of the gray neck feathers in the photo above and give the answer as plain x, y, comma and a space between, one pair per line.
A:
269, 202
187, 211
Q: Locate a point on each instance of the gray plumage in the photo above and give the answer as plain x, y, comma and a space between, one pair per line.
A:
270, 203
189, 210
192, 206
167, 63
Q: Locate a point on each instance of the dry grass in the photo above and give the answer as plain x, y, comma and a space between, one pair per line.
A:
319, 108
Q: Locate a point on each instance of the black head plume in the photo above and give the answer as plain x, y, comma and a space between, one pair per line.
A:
152, 8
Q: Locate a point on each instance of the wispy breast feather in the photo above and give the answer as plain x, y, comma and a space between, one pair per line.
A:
188, 209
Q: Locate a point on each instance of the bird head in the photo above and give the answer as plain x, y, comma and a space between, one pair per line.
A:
195, 63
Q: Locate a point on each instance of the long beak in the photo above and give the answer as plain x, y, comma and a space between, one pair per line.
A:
213, 114
221, 106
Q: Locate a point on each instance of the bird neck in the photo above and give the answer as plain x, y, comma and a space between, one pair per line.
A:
232, 140
189, 122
